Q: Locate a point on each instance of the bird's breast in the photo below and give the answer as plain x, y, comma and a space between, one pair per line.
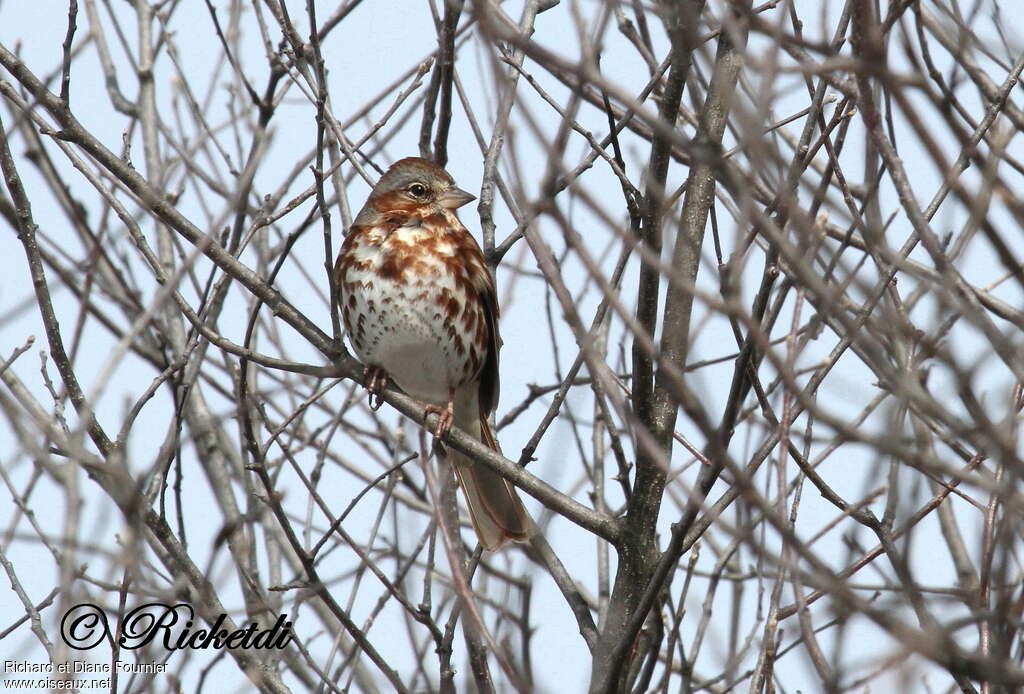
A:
409, 309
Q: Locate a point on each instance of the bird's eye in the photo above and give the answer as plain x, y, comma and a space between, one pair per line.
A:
417, 190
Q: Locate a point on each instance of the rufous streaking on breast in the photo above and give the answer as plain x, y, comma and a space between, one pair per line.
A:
419, 308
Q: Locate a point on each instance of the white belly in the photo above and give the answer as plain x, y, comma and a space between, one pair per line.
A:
400, 328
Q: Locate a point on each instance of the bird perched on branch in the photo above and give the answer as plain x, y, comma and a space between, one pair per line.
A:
419, 308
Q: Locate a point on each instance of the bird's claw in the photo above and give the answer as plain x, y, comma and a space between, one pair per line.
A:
445, 418
376, 380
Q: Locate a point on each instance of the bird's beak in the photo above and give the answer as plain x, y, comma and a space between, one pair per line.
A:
454, 198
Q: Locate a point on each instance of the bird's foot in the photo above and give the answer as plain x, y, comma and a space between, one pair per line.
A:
445, 416
376, 380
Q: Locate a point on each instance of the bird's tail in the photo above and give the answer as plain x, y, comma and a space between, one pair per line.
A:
494, 506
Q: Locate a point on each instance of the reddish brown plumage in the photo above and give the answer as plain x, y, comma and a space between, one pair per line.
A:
418, 304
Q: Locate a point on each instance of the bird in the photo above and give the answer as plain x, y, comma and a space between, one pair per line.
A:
420, 310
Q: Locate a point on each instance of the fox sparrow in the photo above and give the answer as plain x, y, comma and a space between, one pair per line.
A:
419, 308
